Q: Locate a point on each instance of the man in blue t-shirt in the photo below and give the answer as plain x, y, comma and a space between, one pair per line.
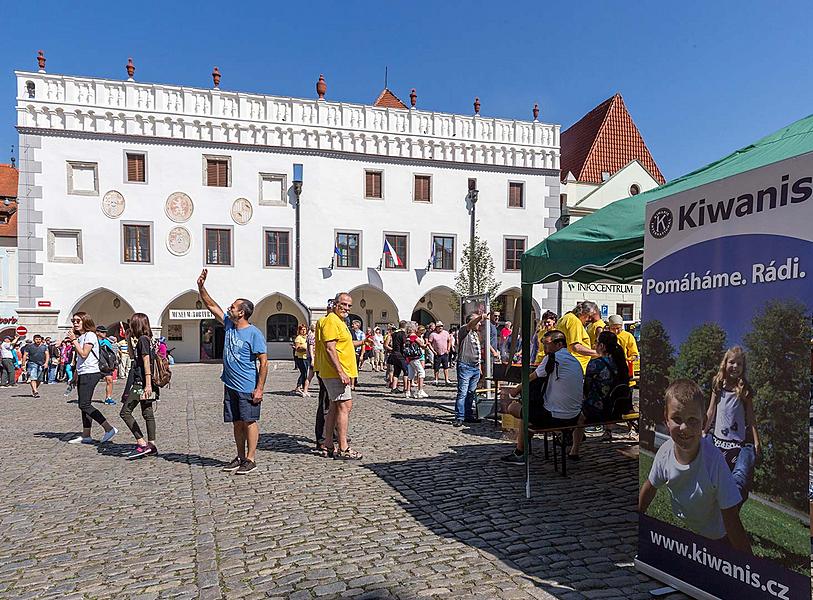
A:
243, 346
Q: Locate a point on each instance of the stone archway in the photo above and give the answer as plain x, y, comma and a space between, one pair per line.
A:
373, 306
438, 302
279, 347
104, 306
192, 338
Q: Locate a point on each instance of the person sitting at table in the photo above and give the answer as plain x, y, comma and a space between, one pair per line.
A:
606, 387
555, 393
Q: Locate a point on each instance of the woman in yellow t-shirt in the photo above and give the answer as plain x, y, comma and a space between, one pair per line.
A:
572, 325
301, 357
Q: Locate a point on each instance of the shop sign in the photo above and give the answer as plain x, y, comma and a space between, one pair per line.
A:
190, 315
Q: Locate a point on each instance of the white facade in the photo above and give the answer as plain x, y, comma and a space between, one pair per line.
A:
75, 134
586, 198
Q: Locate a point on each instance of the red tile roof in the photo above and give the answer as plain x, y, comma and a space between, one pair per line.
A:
604, 140
386, 99
8, 181
9, 229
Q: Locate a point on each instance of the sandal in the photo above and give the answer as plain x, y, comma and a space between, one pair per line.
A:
347, 454
323, 451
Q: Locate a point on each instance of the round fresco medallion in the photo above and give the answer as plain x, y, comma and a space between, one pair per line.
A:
179, 241
113, 204
179, 207
241, 211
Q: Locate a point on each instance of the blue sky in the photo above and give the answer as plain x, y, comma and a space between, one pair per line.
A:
700, 78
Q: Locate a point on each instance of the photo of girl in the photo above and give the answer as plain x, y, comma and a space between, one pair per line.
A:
730, 419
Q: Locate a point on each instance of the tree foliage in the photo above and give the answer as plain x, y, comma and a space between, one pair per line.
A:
778, 368
657, 358
700, 355
484, 281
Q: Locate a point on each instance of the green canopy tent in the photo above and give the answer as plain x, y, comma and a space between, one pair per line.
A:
608, 245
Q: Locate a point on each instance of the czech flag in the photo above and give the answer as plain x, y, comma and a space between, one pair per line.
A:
337, 252
388, 249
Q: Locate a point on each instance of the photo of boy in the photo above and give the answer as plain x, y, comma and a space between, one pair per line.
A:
703, 492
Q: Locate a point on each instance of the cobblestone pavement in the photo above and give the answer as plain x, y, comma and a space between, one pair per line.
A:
429, 512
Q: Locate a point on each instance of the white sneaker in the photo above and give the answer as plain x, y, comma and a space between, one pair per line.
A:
407, 394
422, 394
81, 440
108, 435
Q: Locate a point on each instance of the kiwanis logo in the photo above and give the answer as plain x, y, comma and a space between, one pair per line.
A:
660, 224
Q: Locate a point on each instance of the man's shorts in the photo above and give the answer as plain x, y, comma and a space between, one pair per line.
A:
34, 371
399, 364
441, 361
237, 406
336, 390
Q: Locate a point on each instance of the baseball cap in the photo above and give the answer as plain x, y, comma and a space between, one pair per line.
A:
615, 320
438, 323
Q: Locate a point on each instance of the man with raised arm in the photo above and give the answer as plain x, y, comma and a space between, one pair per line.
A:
243, 346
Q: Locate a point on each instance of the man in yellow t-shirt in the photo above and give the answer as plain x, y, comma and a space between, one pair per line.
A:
572, 325
625, 339
594, 328
337, 367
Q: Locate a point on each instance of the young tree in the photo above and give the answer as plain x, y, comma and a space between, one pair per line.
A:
484, 282
700, 355
657, 360
778, 368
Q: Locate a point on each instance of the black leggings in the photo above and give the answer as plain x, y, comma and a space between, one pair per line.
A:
86, 384
127, 408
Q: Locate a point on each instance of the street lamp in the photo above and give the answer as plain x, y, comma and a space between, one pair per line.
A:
472, 198
297, 192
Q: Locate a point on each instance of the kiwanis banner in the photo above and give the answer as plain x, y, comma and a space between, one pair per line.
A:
725, 385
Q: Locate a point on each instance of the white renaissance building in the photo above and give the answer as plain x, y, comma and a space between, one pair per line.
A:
128, 189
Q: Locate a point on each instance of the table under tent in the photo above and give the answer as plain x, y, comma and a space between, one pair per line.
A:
608, 245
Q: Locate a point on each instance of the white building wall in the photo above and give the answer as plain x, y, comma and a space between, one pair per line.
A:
58, 125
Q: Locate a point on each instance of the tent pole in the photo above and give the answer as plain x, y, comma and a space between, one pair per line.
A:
527, 305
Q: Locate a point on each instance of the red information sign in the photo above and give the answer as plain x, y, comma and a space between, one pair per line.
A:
21, 331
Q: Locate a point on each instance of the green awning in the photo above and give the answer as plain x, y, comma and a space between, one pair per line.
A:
608, 245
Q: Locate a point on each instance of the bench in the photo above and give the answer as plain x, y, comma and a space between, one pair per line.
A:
629, 419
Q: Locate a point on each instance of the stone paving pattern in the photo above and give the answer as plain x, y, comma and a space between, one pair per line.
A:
429, 512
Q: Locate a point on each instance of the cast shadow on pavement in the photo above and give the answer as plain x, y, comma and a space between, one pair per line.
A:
570, 536
285, 443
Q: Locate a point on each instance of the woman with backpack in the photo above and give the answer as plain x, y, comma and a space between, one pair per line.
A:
85, 345
139, 388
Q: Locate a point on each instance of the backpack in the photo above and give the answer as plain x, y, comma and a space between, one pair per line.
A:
412, 350
108, 361
161, 373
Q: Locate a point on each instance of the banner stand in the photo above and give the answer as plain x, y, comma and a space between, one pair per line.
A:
674, 582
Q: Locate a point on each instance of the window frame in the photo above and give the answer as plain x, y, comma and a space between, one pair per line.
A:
143, 153
522, 195
205, 245
71, 165
384, 266
360, 235
431, 186
217, 157
505, 239
620, 311
364, 184
74, 260
283, 179
289, 231
151, 226
433, 235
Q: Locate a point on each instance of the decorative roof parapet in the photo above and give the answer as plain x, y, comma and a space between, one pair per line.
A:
83, 104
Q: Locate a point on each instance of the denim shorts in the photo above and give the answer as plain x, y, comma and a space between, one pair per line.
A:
34, 371
237, 406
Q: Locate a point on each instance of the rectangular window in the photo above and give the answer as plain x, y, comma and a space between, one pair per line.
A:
349, 245
372, 184
277, 248
83, 178
516, 191
626, 311
399, 243
514, 247
217, 172
272, 189
423, 188
65, 246
137, 242
218, 246
443, 251
136, 167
